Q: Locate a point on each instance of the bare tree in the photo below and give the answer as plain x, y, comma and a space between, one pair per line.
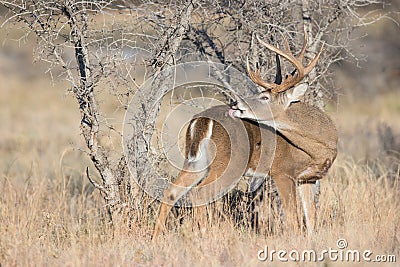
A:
102, 37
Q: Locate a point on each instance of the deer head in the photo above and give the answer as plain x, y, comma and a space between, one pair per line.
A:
280, 94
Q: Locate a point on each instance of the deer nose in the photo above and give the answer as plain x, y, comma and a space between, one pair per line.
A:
233, 103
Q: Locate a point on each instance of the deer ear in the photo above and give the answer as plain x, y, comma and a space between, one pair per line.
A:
295, 94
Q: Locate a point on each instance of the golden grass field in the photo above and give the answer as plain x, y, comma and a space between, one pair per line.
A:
50, 215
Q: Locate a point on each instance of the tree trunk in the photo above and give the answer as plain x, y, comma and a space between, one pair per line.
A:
90, 111
140, 157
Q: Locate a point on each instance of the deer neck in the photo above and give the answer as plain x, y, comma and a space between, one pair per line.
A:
303, 136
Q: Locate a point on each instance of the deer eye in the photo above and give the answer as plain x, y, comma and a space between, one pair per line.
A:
264, 97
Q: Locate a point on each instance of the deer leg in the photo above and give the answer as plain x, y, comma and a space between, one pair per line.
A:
287, 192
183, 183
309, 193
201, 197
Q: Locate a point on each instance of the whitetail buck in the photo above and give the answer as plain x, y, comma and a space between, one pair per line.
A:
305, 143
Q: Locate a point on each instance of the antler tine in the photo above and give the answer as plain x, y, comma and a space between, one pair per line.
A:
255, 77
289, 56
313, 62
303, 49
287, 46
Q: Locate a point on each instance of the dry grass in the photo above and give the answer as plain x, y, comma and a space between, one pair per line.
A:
54, 220
51, 216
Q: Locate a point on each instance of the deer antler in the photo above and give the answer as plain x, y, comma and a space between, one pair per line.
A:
291, 79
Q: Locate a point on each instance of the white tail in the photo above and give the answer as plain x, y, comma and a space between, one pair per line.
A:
305, 143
